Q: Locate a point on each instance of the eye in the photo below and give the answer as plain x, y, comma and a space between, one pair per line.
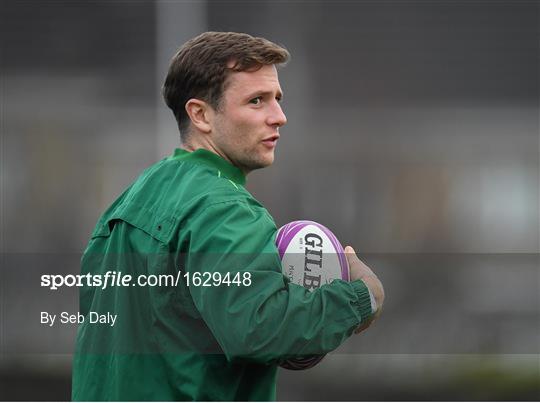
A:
278, 99
255, 101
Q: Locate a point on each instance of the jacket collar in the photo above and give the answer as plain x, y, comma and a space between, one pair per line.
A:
208, 158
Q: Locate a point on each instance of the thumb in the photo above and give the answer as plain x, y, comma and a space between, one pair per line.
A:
351, 254
355, 263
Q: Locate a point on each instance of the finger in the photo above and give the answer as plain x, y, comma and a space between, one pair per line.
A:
351, 254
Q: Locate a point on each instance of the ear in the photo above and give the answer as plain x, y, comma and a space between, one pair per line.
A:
200, 114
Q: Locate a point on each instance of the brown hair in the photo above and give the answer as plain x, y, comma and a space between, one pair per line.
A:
201, 66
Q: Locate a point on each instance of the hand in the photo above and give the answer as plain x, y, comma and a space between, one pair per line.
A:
359, 271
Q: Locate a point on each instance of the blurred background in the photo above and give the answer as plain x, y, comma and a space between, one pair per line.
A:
413, 134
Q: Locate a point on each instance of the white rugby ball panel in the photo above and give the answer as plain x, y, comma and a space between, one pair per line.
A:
311, 255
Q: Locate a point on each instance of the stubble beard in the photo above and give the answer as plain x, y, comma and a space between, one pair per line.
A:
247, 159
248, 163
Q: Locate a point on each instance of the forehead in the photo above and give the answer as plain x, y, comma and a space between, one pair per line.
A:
264, 79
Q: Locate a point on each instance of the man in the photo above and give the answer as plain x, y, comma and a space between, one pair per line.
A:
190, 214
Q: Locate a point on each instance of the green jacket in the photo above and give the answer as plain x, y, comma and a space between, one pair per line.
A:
191, 213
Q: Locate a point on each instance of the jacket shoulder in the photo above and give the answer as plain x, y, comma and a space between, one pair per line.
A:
170, 193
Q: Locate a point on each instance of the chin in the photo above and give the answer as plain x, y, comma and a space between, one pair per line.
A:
267, 161
260, 163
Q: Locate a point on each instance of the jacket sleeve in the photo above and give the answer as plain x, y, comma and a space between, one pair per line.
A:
267, 318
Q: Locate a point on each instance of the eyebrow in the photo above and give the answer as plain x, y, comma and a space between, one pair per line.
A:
263, 93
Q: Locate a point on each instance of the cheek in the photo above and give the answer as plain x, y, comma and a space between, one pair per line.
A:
245, 128
241, 129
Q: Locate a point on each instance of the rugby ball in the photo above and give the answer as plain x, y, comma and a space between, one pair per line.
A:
311, 256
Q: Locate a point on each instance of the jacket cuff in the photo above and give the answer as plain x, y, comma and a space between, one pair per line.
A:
363, 303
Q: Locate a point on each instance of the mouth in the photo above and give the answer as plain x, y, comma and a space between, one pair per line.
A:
271, 141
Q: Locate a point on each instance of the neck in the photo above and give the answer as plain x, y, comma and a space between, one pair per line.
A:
195, 142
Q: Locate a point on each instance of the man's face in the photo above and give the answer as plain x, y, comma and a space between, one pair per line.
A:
245, 129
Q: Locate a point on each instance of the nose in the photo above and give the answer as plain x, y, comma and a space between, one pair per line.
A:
277, 117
